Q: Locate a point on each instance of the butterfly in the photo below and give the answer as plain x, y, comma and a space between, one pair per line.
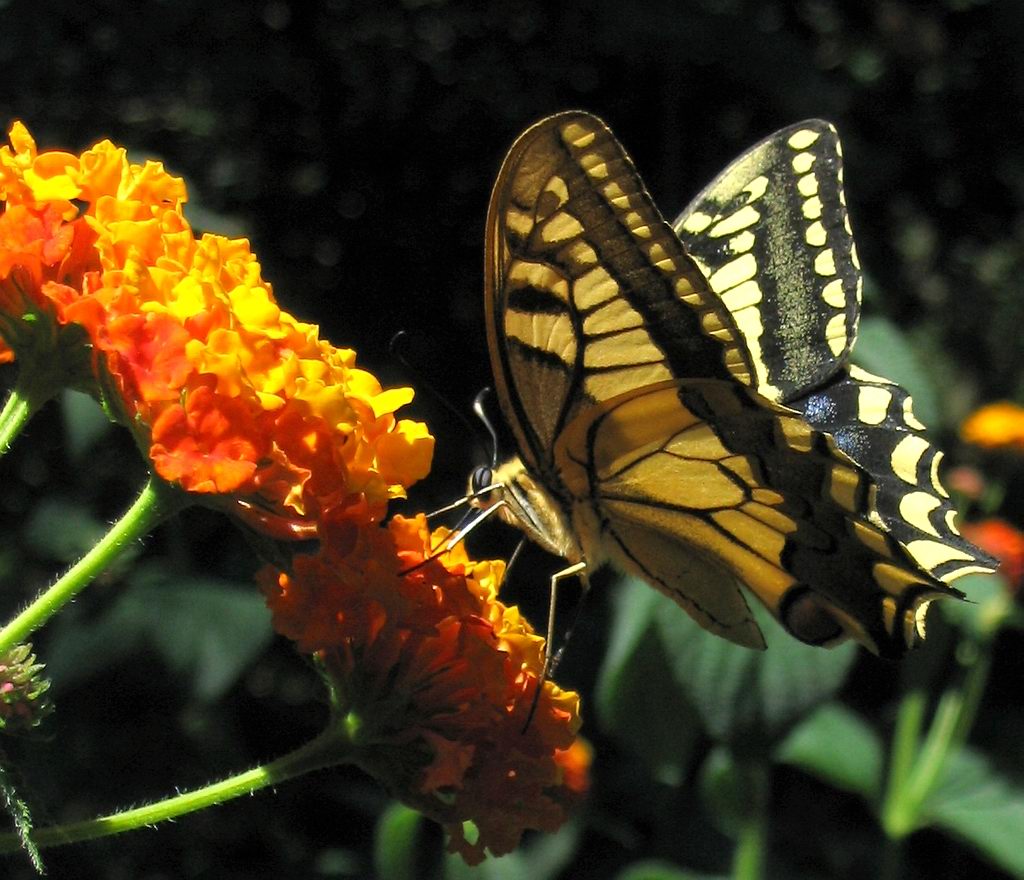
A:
682, 396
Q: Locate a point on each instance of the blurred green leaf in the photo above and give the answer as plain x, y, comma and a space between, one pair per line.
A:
396, 842
84, 422
338, 862
741, 693
726, 791
654, 870
989, 602
974, 803
64, 530
637, 697
202, 628
543, 858
839, 747
9, 561
884, 350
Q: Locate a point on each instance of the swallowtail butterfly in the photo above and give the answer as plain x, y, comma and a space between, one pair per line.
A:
683, 400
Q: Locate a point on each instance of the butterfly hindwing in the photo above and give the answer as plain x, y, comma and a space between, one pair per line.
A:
772, 235
588, 290
799, 318
872, 420
707, 470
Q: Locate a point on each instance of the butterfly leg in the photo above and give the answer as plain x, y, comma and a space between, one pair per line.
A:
550, 662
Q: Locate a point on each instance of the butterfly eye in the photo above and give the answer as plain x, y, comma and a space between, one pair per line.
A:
481, 478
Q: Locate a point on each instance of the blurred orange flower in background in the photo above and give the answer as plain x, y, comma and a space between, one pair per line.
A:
995, 425
1003, 541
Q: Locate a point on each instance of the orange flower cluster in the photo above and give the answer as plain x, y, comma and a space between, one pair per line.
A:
436, 679
228, 392
996, 425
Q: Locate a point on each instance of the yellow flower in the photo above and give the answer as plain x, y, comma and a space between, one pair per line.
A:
28, 176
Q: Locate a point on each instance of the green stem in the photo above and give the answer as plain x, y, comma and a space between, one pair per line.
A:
328, 749
156, 502
42, 373
916, 769
18, 409
975, 682
932, 761
905, 743
748, 858
18, 811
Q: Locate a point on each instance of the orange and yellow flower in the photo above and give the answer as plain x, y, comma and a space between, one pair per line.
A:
228, 393
437, 680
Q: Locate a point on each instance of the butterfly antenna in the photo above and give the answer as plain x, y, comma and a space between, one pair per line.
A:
481, 413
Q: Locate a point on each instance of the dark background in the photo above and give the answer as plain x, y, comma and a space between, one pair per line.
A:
355, 144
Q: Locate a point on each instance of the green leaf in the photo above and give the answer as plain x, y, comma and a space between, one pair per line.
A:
884, 350
548, 855
974, 803
85, 422
204, 629
63, 529
745, 694
988, 606
337, 862
980, 589
725, 792
396, 842
655, 870
545, 857
222, 630
637, 697
838, 747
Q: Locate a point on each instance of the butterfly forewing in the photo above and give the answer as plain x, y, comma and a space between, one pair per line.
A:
772, 234
588, 289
